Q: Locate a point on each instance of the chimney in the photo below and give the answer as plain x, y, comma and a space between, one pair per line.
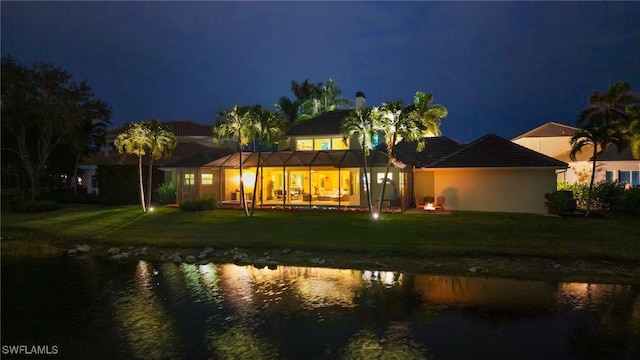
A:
361, 100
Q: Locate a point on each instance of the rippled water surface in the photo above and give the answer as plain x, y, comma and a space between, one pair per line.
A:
100, 309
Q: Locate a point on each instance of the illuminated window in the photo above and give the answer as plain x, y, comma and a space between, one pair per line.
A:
305, 144
207, 179
189, 179
338, 144
380, 177
322, 144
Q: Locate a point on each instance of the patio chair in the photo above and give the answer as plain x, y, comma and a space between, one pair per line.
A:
420, 202
439, 205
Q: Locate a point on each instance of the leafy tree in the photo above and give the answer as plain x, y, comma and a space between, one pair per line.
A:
161, 141
360, 122
235, 123
268, 128
42, 108
89, 135
135, 140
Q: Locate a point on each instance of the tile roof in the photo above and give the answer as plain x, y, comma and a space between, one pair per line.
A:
436, 148
494, 151
201, 158
612, 154
550, 129
490, 151
323, 124
182, 150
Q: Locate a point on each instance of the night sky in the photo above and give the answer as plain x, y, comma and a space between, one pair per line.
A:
499, 67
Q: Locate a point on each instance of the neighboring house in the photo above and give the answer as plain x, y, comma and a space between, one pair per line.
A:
319, 169
554, 139
192, 139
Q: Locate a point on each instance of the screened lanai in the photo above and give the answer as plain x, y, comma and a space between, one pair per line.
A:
313, 178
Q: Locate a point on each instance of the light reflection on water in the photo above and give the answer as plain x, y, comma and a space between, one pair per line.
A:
163, 310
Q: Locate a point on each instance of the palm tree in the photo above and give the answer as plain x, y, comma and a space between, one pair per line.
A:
606, 121
411, 123
633, 131
306, 90
599, 136
315, 99
161, 141
134, 140
397, 123
360, 122
268, 128
287, 110
428, 113
610, 107
331, 97
235, 124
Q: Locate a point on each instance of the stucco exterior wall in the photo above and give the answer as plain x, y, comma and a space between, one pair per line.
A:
495, 190
423, 183
580, 171
557, 147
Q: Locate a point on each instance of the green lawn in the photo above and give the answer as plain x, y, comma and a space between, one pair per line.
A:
414, 235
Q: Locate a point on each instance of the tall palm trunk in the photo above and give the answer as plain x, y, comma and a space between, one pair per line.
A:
242, 196
144, 208
384, 185
366, 180
150, 179
593, 175
255, 181
386, 172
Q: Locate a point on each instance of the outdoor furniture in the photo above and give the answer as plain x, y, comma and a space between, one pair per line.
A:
439, 205
420, 202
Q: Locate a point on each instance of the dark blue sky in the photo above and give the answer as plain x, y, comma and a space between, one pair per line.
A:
499, 67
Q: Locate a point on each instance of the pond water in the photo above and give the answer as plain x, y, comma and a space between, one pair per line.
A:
100, 309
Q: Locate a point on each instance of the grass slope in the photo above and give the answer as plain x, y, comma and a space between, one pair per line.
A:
611, 238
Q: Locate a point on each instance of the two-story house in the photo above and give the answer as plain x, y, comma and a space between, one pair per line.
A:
319, 169
554, 139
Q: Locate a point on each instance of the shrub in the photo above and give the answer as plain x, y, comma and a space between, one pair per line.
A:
166, 193
200, 204
607, 195
557, 202
631, 200
28, 206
